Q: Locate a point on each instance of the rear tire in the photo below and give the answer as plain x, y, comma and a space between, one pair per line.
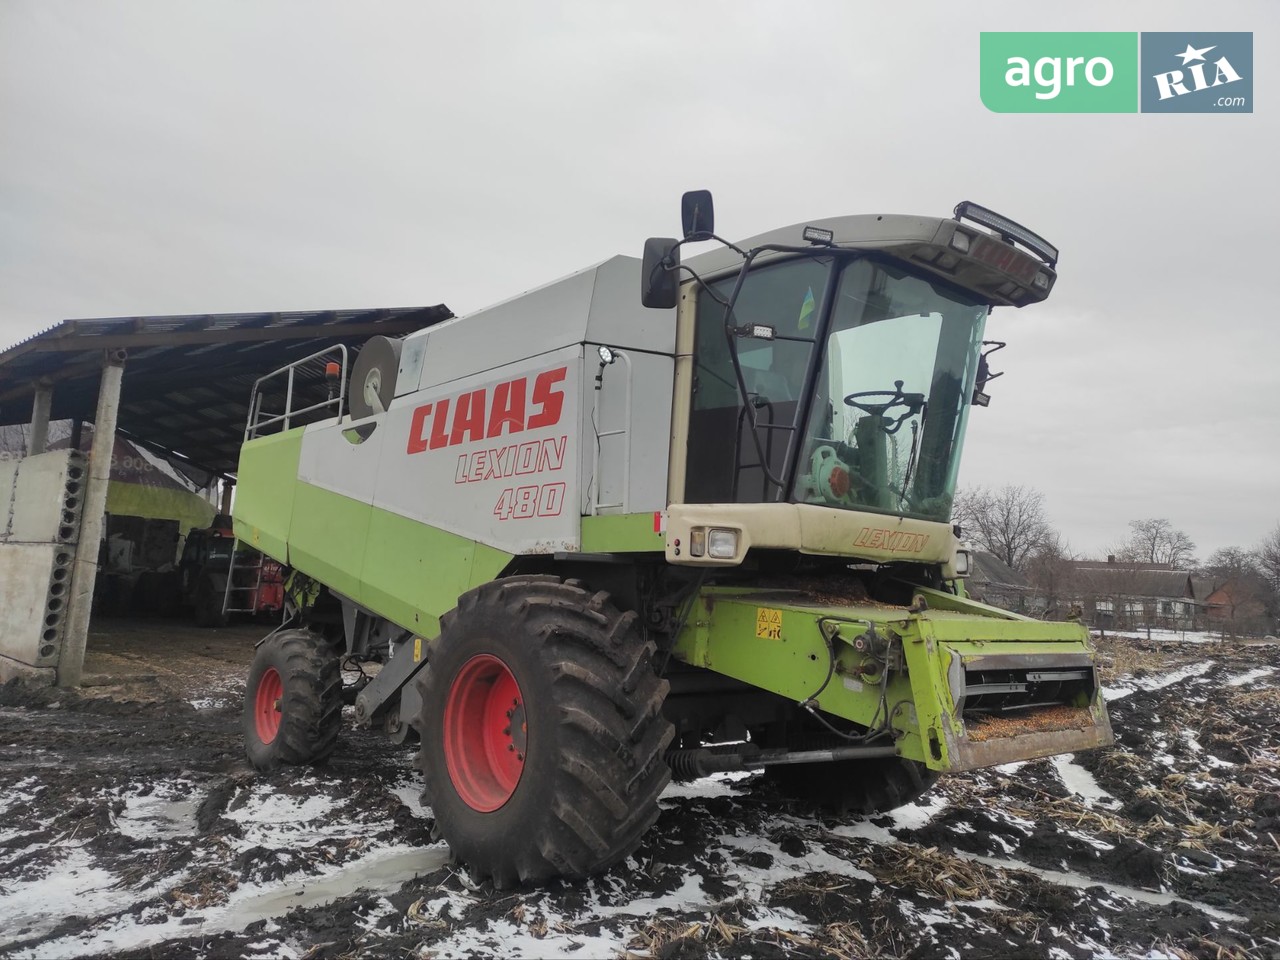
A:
293, 701
542, 731
868, 786
208, 602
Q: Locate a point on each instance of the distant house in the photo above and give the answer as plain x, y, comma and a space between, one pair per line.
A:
1236, 605
995, 582
1123, 594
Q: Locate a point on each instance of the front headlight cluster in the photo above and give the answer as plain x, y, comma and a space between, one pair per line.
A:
718, 543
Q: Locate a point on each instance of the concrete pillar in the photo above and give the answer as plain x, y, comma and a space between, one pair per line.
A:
228, 487
40, 418
85, 569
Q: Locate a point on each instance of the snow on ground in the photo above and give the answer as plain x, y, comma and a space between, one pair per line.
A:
1081, 782
1158, 635
133, 832
1249, 676
1127, 685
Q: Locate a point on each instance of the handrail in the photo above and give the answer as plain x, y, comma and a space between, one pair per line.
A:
256, 423
625, 432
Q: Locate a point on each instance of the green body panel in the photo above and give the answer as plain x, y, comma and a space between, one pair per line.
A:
621, 533
402, 569
786, 643
264, 493
320, 520
414, 573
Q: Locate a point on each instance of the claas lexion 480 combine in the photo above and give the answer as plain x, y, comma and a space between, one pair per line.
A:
596, 537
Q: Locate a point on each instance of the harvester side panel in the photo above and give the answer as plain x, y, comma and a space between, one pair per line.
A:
489, 447
488, 457
264, 492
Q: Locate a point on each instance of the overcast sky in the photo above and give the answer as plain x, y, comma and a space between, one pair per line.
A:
180, 157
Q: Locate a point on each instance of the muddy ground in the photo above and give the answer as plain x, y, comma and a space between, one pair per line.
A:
130, 826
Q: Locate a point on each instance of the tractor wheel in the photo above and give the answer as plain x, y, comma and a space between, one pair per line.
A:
208, 602
542, 731
854, 786
293, 701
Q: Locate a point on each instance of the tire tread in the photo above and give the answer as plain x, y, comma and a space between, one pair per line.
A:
610, 767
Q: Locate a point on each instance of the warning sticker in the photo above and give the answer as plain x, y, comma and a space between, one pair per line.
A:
768, 623
417, 649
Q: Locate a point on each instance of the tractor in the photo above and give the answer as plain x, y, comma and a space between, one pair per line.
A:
664, 517
216, 577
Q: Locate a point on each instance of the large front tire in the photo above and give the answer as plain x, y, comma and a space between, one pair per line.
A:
293, 701
542, 731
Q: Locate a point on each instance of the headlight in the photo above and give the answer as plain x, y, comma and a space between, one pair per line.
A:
697, 542
964, 562
722, 544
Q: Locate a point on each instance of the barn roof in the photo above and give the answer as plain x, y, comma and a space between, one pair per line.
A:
187, 379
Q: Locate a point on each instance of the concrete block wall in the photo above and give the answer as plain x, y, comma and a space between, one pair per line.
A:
41, 500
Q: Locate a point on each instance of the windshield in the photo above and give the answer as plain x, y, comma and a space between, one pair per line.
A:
895, 366
892, 395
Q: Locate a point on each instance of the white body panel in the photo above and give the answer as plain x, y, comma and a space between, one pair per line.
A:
598, 305
490, 457
519, 483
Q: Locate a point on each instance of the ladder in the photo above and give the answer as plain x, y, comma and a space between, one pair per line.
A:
255, 567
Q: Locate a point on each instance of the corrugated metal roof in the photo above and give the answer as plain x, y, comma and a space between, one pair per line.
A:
187, 378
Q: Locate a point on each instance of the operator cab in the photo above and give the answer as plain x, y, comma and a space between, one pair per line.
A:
840, 372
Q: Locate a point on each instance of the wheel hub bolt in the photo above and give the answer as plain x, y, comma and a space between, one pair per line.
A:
511, 746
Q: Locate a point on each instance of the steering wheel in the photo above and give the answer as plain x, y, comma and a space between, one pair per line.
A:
914, 403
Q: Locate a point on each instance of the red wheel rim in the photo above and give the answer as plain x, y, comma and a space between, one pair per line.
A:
485, 733
266, 705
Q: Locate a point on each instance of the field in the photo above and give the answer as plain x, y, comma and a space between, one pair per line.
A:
132, 827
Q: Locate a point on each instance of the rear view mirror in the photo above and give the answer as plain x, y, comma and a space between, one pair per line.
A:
697, 215
659, 283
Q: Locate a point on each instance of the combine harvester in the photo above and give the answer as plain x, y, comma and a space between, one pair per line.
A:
594, 537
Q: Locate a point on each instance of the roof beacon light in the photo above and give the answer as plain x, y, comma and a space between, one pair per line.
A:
819, 235
1009, 230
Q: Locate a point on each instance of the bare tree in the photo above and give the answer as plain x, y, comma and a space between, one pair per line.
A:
1242, 587
1049, 568
1157, 541
1009, 522
1268, 553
